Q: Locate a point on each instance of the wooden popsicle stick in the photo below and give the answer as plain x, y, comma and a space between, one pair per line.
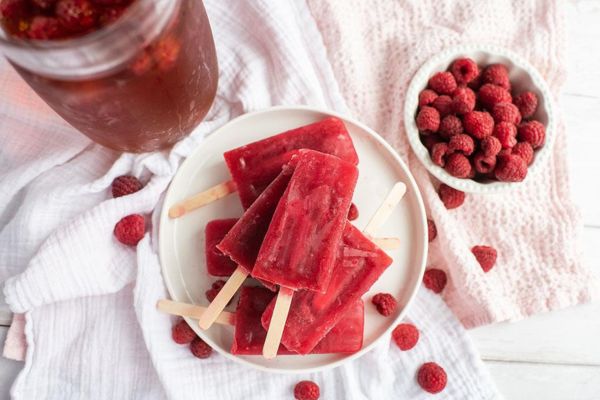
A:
387, 243
220, 301
201, 199
275, 331
386, 208
192, 311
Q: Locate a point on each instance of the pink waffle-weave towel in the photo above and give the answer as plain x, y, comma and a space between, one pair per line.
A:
375, 48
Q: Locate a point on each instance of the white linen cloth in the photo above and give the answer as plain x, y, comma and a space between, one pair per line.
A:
92, 329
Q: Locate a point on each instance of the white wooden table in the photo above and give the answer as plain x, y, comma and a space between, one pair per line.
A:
555, 356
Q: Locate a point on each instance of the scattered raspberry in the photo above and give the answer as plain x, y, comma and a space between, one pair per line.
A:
182, 333
523, 150
462, 144
496, 74
166, 52
130, 230
200, 349
506, 134
527, 103
450, 126
486, 256
432, 378
45, 28
443, 104
464, 70
490, 146
435, 280
306, 390
478, 124
426, 97
490, 95
443, 83
484, 164
451, 197
510, 168
431, 230
506, 112
428, 119
214, 290
458, 165
14, 9
439, 152
532, 132
76, 15
353, 212
430, 140
406, 336
385, 303
124, 185
463, 100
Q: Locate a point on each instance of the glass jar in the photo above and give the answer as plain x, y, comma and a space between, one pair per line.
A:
139, 84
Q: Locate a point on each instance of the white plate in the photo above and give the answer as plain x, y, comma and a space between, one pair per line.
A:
182, 239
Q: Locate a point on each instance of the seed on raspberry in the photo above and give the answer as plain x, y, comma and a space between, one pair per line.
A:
426, 97
443, 104
451, 197
523, 150
485, 256
430, 140
385, 303
506, 134
428, 119
490, 95
76, 15
510, 168
458, 165
353, 212
431, 230
496, 74
490, 146
200, 348
435, 280
439, 153
527, 103
306, 390
532, 132
506, 112
45, 28
484, 164
450, 125
462, 144
182, 333
464, 70
443, 83
405, 336
125, 184
463, 100
130, 230
432, 378
478, 124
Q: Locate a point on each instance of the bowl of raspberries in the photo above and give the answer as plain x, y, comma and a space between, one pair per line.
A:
479, 118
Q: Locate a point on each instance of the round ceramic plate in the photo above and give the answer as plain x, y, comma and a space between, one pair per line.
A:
182, 239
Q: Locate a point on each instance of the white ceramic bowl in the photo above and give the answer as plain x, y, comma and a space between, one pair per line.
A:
523, 76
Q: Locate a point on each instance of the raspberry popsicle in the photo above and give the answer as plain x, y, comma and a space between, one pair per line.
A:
217, 263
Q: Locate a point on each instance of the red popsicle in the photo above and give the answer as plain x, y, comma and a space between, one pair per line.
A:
217, 263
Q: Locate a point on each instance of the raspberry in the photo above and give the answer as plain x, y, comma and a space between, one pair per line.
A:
451, 197
426, 97
14, 9
463, 100
510, 168
182, 333
130, 230
431, 230
506, 112
352, 212
385, 303
443, 104
166, 53
214, 290
432, 378
405, 336
76, 15
443, 83
430, 140
200, 349
464, 70
506, 134
478, 124
484, 164
490, 146
45, 28
486, 256
458, 165
439, 152
490, 95
532, 132
523, 150
428, 119
496, 74
462, 144
124, 185
435, 280
306, 390
450, 126
527, 103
